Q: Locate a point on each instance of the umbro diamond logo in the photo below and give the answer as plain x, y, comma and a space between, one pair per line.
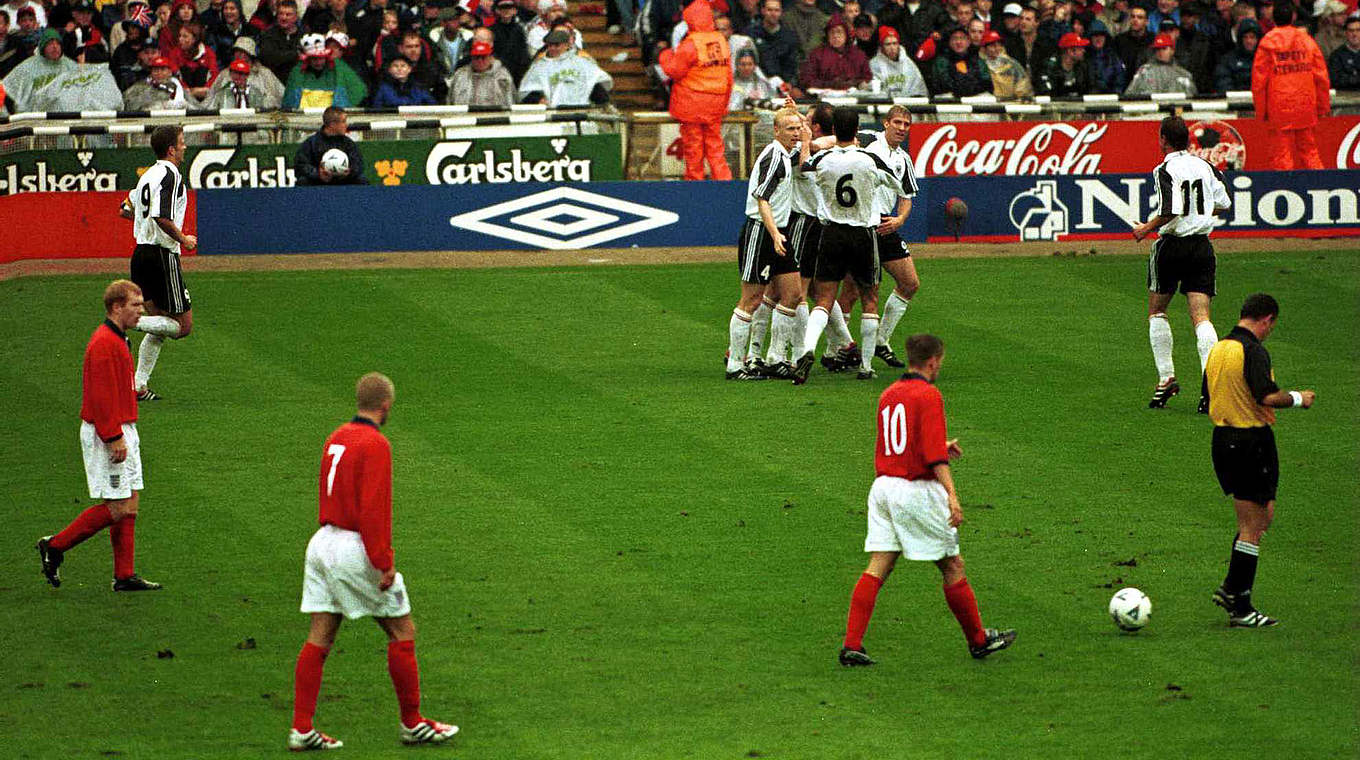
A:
564, 218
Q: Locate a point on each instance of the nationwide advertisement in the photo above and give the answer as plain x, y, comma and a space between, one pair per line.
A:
1106, 147
579, 158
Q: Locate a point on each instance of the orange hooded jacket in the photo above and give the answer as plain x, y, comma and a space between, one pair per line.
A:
1289, 82
700, 68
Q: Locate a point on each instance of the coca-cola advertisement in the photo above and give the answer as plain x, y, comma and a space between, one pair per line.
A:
1065, 148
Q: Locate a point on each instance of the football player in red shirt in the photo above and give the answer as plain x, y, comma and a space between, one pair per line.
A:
913, 507
350, 572
109, 444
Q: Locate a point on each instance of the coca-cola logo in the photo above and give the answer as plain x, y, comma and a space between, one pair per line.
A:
1348, 155
1057, 148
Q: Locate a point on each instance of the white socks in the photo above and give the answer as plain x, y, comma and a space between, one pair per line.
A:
162, 326
1159, 334
800, 328
781, 332
837, 331
738, 335
760, 325
868, 335
1205, 338
892, 314
147, 355
817, 321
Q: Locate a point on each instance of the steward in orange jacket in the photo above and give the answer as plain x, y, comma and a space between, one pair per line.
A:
701, 71
1290, 89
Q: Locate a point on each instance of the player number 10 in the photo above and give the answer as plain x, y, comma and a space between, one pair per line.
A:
894, 429
335, 452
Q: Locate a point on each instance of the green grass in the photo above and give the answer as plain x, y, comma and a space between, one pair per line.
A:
615, 554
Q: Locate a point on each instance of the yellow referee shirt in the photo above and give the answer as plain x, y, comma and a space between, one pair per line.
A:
1237, 377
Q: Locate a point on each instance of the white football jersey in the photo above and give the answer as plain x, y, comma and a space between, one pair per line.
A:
159, 194
804, 190
1189, 188
848, 179
771, 181
900, 163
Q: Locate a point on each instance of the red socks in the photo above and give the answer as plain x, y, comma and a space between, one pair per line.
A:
401, 664
861, 609
90, 522
307, 684
964, 606
121, 534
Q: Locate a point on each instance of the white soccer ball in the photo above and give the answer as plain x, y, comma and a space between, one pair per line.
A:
1130, 609
335, 161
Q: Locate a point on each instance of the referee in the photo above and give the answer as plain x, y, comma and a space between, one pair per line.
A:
1243, 397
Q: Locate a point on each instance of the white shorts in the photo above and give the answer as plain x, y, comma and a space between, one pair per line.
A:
912, 517
109, 480
338, 578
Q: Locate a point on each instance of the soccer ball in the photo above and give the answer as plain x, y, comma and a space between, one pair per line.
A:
335, 161
1130, 609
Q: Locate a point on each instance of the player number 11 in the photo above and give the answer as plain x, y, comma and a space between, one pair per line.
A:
335, 451
894, 429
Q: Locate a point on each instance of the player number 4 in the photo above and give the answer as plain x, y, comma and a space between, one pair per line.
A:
894, 429
335, 451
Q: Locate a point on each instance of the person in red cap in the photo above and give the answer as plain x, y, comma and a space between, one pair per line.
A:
483, 82
1161, 74
701, 69
895, 72
835, 64
1010, 81
1068, 72
1291, 88
162, 89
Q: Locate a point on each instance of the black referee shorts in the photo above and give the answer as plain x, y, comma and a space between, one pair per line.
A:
1246, 462
848, 250
156, 271
805, 235
1187, 262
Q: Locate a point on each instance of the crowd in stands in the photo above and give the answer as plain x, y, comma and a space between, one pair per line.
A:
1007, 48
267, 54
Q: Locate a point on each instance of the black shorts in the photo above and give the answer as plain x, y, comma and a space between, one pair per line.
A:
755, 253
156, 271
805, 234
892, 247
1246, 462
848, 250
1185, 261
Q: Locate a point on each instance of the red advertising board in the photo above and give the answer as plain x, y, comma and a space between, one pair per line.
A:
73, 225
1105, 147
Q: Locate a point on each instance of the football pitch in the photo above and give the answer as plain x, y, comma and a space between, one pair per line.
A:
614, 553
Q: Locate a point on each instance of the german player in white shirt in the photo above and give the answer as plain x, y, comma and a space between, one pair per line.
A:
848, 178
892, 249
1190, 194
156, 207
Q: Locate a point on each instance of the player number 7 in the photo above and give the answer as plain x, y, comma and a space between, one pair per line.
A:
336, 451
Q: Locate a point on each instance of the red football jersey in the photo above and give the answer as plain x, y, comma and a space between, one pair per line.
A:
911, 430
356, 486
107, 399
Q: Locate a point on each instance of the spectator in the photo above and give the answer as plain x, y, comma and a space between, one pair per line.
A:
210, 15
512, 47
131, 62
321, 81
963, 13
701, 73
279, 43
565, 77
341, 48
424, 71
1291, 91
1028, 47
222, 35
1010, 21
849, 11
958, 70
808, 23
321, 14
160, 22
450, 41
778, 47
1219, 25
21, 41
982, 11
83, 42
364, 23
1067, 73
549, 11
484, 82
1331, 28
1108, 75
896, 73
43, 66
15, 6
1161, 74
749, 82
388, 44
333, 135
1010, 81
159, 90
1052, 26
1115, 17
736, 43
261, 78
914, 21
744, 13
1167, 10
1132, 46
235, 90
1344, 65
1194, 48
195, 62
865, 33
661, 20
835, 64
264, 15
1233, 73
181, 12
396, 88
428, 18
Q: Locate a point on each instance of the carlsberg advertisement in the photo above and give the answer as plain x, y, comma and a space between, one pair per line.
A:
579, 158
